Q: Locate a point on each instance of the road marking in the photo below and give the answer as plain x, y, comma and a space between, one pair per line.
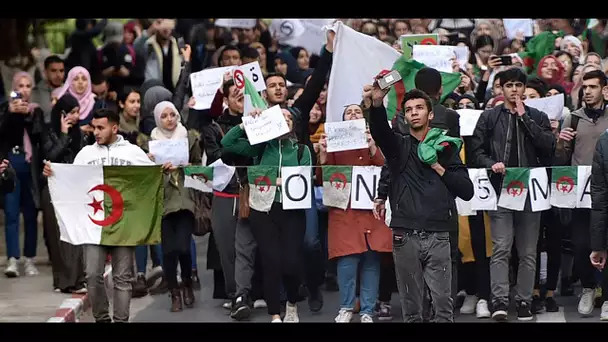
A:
552, 317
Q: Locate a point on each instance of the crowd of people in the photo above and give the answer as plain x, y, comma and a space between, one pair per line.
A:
104, 104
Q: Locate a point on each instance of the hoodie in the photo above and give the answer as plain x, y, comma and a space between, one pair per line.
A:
119, 153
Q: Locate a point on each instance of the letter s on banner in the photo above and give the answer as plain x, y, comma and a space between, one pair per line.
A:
296, 187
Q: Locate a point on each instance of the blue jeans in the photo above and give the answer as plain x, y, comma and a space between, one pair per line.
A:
370, 280
193, 253
20, 200
314, 265
141, 257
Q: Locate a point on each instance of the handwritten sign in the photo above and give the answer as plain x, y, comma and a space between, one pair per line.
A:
409, 40
438, 57
307, 33
517, 28
253, 72
468, 121
236, 23
346, 135
205, 84
268, 125
553, 106
462, 55
175, 151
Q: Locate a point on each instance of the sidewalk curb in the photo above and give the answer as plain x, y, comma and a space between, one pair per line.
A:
71, 309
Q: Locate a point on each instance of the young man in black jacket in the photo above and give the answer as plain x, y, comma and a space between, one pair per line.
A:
512, 135
422, 202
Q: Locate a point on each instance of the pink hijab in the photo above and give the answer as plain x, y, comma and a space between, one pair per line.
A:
27, 144
86, 100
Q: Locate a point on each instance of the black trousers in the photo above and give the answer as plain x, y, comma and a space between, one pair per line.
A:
581, 220
388, 282
176, 233
549, 240
474, 277
280, 237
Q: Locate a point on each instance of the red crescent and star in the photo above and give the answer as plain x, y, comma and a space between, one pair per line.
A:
118, 205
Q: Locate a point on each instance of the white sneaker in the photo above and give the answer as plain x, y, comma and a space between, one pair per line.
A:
344, 316
585, 305
366, 318
30, 268
291, 313
227, 305
482, 309
11, 270
468, 307
260, 304
81, 290
604, 315
276, 320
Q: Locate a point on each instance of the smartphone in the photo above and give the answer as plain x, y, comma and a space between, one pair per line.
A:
506, 60
389, 79
181, 43
15, 95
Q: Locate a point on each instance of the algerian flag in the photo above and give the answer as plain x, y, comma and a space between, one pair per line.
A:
107, 205
514, 189
262, 186
336, 186
563, 186
199, 177
252, 98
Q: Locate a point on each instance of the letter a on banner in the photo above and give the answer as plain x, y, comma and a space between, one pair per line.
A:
539, 189
364, 185
583, 191
296, 187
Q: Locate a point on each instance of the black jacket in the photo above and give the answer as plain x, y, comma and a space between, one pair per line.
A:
599, 195
7, 181
420, 199
213, 132
444, 118
491, 140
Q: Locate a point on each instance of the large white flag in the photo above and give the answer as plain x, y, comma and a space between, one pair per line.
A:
357, 59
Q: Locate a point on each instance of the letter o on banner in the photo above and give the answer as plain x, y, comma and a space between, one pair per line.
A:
288, 193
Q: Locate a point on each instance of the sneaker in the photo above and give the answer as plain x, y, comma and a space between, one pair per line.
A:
260, 304
537, 305
367, 318
344, 316
585, 305
291, 313
227, 305
482, 309
57, 290
276, 320
240, 310
30, 268
604, 315
551, 305
500, 312
315, 300
11, 270
523, 312
468, 306
153, 275
81, 290
384, 312
140, 289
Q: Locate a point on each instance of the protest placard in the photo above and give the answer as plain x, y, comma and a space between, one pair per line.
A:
408, 41
468, 121
175, 151
236, 23
518, 27
205, 84
346, 135
438, 57
553, 106
268, 125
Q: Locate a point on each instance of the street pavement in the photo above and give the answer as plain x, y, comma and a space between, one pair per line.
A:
206, 309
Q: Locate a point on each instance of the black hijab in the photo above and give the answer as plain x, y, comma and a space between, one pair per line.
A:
63, 106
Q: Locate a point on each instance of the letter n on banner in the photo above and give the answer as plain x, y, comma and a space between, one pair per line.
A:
583, 190
296, 187
539, 189
364, 186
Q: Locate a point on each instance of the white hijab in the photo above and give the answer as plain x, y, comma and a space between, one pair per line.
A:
160, 133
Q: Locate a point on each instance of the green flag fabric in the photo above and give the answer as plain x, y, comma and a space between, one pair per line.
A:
538, 47
436, 141
563, 186
252, 99
337, 182
199, 177
514, 188
262, 186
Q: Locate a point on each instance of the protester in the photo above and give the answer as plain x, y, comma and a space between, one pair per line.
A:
79, 85
54, 72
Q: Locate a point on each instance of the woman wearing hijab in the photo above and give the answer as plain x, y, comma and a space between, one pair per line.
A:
22, 123
355, 236
61, 142
78, 84
552, 71
279, 233
178, 215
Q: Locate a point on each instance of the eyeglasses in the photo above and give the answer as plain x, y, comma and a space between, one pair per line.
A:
469, 105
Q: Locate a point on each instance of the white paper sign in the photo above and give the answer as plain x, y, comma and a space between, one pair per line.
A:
296, 187
175, 151
539, 189
515, 27
468, 121
236, 23
434, 56
553, 106
346, 135
222, 174
583, 187
268, 125
205, 84
307, 33
485, 196
364, 185
254, 74
462, 55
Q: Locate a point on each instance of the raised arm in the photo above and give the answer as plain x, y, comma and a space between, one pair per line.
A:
235, 141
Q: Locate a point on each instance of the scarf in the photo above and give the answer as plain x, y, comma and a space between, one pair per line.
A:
27, 142
160, 133
435, 141
87, 99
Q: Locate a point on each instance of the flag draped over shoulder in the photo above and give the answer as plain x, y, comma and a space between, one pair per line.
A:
107, 205
538, 47
408, 69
